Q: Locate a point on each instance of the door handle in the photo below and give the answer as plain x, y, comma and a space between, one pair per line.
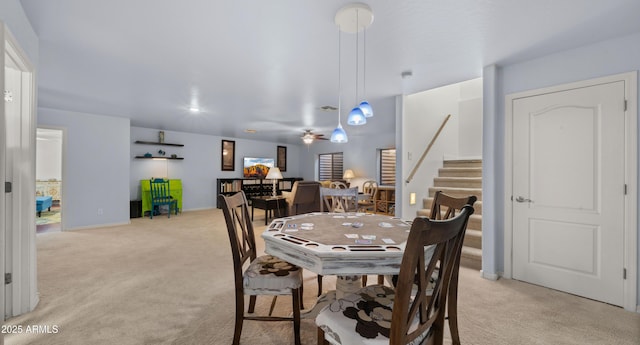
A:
521, 199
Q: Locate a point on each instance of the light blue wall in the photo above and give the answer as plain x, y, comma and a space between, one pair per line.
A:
95, 167
12, 14
605, 58
201, 165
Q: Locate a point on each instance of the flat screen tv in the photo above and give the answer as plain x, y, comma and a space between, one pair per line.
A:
257, 167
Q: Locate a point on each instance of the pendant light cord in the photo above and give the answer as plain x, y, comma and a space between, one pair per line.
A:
339, 75
357, 50
364, 63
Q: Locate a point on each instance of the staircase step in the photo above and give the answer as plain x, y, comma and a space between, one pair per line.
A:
463, 163
458, 182
457, 192
471, 257
460, 172
473, 239
462, 178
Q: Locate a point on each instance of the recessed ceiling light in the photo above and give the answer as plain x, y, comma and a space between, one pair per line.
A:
194, 109
250, 131
328, 108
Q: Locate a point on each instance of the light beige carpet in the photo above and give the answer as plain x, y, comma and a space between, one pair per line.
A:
168, 281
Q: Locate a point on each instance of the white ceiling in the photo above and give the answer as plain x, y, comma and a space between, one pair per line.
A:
270, 65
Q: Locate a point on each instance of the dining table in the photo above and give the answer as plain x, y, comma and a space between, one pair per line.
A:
347, 245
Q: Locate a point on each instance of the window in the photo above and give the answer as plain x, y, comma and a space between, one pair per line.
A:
387, 169
330, 167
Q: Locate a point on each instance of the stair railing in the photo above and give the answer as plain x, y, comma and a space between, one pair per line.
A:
424, 154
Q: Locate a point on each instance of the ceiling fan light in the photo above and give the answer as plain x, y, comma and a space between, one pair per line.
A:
307, 139
356, 117
339, 135
366, 109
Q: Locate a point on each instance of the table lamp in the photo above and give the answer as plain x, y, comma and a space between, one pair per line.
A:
348, 175
274, 175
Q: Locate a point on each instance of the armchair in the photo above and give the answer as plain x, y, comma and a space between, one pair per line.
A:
303, 198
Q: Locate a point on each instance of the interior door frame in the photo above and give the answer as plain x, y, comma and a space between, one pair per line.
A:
23, 262
630, 284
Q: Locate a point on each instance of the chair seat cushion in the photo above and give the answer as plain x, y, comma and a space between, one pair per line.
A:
268, 275
363, 317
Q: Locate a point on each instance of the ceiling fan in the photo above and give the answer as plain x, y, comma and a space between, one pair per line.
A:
308, 137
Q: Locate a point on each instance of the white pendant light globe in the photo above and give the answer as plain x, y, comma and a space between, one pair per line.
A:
366, 109
356, 117
339, 135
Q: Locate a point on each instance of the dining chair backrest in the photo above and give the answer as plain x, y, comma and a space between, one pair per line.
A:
419, 307
338, 185
446, 206
240, 230
338, 200
370, 188
159, 189
161, 195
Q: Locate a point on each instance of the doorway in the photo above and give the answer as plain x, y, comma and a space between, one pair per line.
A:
49, 158
571, 170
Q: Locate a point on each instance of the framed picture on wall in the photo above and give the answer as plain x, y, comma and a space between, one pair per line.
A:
282, 158
228, 155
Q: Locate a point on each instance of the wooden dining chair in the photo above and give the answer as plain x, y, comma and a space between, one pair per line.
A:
338, 200
445, 207
160, 195
264, 275
369, 188
413, 312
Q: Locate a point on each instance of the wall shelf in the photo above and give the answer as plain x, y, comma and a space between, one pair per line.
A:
158, 157
156, 143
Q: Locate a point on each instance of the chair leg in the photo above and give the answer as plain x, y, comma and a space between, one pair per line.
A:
239, 318
302, 296
380, 279
321, 340
252, 304
319, 285
295, 295
273, 304
364, 280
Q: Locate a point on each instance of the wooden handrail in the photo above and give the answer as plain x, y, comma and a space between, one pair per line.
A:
424, 154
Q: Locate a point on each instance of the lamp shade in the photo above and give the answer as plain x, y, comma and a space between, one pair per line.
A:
339, 135
356, 117
348, 174
274, 174
366, 109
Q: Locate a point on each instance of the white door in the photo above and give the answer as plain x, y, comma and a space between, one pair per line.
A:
568, 190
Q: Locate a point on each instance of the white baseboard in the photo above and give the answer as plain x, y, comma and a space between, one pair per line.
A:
97, 226
492, 276
638, 309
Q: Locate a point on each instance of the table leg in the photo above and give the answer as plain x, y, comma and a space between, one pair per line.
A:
344, 285
252, 212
